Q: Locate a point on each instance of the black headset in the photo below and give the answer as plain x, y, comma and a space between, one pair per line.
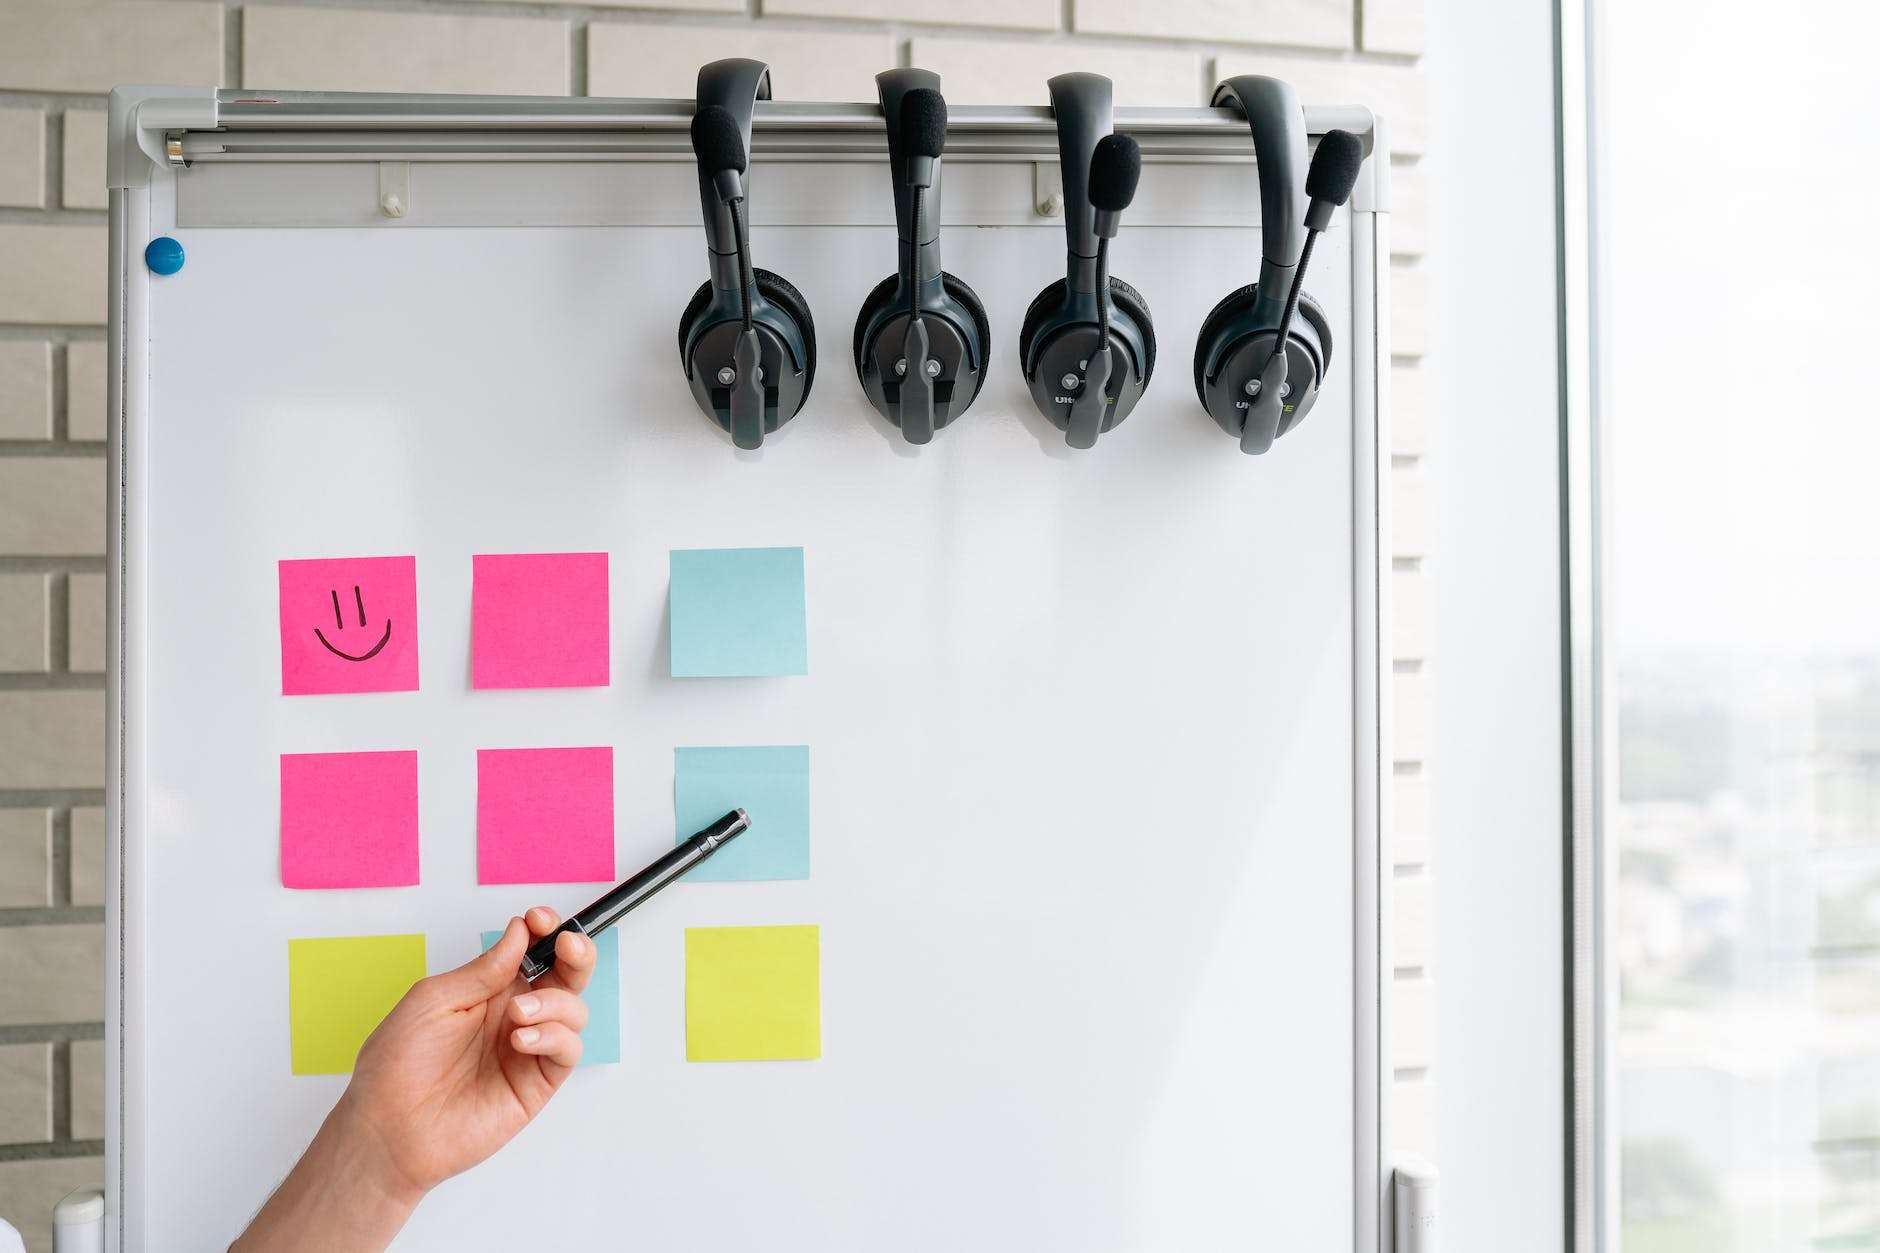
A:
1254, 391
746, 340
921, 336
1087, 345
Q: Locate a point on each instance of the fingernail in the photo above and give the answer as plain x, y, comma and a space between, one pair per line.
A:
528, 1035
529, 1004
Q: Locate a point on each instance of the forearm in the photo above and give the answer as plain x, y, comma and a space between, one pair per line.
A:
343, 1196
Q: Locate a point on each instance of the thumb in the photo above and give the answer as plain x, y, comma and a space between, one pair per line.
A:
484, 976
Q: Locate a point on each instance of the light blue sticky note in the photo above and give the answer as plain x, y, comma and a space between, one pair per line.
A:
600, 1039
770, 784
738, 612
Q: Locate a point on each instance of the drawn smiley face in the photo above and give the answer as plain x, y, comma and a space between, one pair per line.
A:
349, 624
339, 626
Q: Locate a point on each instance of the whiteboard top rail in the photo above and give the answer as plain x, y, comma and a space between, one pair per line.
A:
189, 125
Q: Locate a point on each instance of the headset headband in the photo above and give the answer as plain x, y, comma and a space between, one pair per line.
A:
735, 85
892, 87
1279, 147
1082, 106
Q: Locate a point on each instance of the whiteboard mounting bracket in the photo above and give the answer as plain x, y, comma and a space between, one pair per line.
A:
142, 122
395, 188
1047, 189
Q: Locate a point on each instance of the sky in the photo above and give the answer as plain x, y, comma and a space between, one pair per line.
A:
1740, 166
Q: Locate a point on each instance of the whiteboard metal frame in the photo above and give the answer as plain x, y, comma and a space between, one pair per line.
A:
157, 132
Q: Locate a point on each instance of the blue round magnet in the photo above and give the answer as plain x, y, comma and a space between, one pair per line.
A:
163, 255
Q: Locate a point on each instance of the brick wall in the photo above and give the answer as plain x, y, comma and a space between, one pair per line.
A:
56, 61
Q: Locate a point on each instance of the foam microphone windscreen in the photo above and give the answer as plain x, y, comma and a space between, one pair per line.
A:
1334, 169
923, 123
716, 140
1114, 168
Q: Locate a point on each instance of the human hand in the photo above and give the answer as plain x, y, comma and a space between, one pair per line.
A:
460, 1065
468, 1057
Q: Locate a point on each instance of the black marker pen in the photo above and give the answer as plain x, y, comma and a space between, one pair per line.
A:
611, 908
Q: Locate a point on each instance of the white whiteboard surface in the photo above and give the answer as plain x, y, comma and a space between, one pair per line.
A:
1086, 756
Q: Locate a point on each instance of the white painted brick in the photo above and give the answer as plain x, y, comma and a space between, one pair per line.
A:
1409, 513
50, 739
52, 506
1409, 410
88, 1089
1410, 819
22, 158
1410, 615
1298, 23
85, 362
1410, 918
55, 45
29, 1190
25, 389
85, 623
24, 624
1409, 310
25, 1093
1413, 1117
83, 175
52, 273
88, 855
1411, 1014
1410, 716
357, 50
25, 860
663, 61
688, 6
1392, 26
982, 71
55, 973
1409, 209
1395, 92
1011, 14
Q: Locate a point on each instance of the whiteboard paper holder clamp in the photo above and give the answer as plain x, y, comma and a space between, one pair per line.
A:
141, 125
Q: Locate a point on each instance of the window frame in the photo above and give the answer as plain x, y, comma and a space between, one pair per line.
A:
1587, 683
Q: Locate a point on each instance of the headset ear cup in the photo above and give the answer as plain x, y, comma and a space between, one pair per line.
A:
956, 287
1131, 301
1122, 295
968, 299
780, 292
1035, 313
693, 308
878, 296
1309, 310
1231, 305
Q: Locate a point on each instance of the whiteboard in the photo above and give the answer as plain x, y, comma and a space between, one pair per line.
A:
1094, 736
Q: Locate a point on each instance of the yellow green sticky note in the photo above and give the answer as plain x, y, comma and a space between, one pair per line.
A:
339, 988
753, 994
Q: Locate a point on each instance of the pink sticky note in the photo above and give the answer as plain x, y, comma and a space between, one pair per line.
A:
349, 624
349, 820
545, 815
539, 620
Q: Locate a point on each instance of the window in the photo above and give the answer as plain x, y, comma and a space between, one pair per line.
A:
1739, 325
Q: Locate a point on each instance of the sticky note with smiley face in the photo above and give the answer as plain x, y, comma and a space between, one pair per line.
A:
349, 624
